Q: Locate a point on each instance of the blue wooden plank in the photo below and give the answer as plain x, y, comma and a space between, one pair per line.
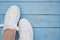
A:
29, 0
40, 20
1, 19
40, 8
43, 20
43, 33
0, 33
46, 34
32, 8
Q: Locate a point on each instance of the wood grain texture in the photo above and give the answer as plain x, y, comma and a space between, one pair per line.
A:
40, 20
43, 33
29, 0
32, 8
44, 16
0, 33
1, 19
46, 34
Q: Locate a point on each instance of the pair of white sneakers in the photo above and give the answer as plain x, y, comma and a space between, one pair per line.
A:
11, 20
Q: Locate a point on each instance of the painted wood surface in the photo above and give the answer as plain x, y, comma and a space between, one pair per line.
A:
0, 33
43, 33
29, 0
44, 16
40, 20
32, 8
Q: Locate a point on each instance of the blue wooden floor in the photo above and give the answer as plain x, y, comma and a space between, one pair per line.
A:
44, 16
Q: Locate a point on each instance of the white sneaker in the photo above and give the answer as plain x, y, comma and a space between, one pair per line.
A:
12, 17
25, 30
